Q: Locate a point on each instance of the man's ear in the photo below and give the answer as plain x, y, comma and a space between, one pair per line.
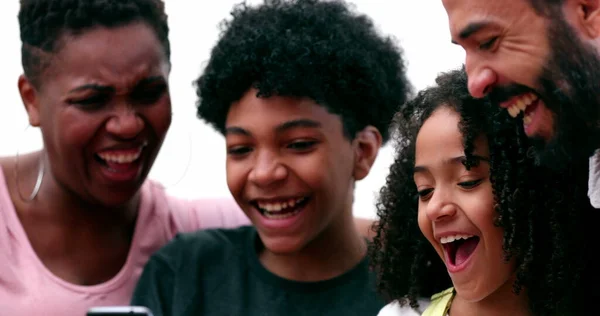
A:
584, 15
29, 95
366, 143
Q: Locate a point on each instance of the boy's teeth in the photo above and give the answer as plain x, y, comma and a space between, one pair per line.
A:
270, 215
279, 206
527, 119
449, 239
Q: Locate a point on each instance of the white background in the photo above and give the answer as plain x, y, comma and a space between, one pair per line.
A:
192, 161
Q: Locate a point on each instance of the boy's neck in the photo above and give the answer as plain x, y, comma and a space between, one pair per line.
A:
338, 249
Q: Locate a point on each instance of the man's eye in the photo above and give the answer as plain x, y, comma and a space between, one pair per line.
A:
488, 44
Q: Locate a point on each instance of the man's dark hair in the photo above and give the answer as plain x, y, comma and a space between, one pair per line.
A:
320, 50
43, 23
548, 8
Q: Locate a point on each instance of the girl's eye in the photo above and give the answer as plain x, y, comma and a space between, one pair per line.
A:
425, 194
470, 184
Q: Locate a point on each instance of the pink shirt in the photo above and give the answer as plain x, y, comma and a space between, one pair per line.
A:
27, 288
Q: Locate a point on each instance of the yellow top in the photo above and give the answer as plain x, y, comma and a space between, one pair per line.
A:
440, 303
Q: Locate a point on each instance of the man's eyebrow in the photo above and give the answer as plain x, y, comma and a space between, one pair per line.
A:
471, 29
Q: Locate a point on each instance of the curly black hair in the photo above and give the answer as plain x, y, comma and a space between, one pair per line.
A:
43, 23
546, 214
320, 50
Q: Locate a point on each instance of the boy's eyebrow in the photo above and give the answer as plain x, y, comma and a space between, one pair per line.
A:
297, 123
280, 128
236, 131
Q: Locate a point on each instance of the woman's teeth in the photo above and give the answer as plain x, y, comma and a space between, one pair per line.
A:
121, 158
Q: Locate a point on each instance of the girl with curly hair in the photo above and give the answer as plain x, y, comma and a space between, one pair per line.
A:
465, 189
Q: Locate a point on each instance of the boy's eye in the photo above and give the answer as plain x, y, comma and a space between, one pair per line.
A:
302, 145
238, 150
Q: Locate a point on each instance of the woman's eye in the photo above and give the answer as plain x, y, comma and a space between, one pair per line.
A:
90, 102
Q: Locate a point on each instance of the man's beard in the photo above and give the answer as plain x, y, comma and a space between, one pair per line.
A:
569, 86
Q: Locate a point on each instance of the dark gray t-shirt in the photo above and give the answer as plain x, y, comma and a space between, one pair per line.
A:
217, 272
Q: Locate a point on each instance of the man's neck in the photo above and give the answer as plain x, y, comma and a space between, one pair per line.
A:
335, 251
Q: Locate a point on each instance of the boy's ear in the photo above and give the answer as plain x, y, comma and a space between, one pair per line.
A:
367, 143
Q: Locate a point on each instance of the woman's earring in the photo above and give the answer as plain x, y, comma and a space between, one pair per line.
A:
38, 181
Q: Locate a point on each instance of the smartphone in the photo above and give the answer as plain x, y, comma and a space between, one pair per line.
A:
119, 311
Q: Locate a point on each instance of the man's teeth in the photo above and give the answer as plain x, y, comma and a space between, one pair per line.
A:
120, 158
449, 239
279, 206
521, 104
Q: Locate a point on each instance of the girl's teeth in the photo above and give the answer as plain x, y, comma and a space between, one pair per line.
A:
449, 239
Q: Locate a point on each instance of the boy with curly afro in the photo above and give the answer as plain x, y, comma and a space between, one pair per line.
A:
304, 92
